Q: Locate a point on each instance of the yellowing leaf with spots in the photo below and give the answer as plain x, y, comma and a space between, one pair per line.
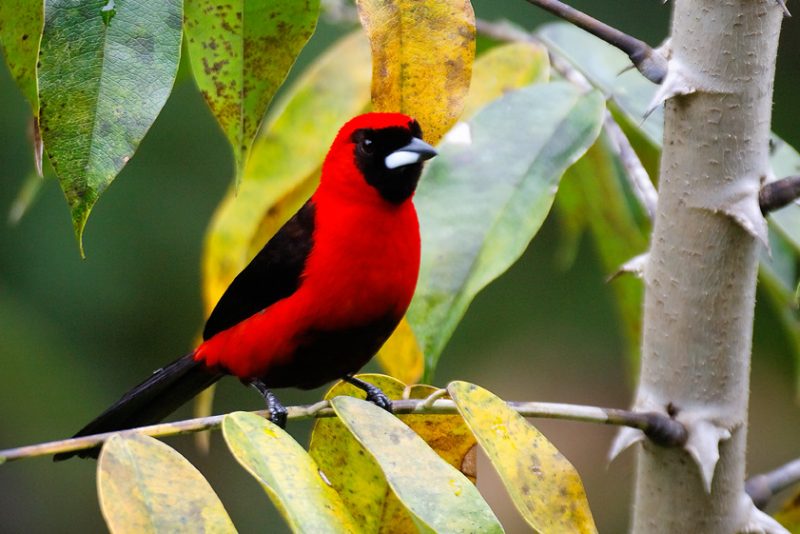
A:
544, 486
356, 475
241, 52
437, 495
505, 68
422, 53
289, 475
448, 435
20, 31
145, 486
351, 470
285, 161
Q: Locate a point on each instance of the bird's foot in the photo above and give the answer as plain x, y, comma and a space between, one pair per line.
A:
277, 411
374, 393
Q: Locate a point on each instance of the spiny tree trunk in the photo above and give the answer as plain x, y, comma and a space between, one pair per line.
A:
701, 273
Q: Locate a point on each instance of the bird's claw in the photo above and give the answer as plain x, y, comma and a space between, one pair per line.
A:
374, 393
277, 411
379, 399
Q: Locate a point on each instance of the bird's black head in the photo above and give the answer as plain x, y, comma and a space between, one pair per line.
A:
389, 152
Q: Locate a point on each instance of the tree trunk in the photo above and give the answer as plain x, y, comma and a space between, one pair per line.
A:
701, 273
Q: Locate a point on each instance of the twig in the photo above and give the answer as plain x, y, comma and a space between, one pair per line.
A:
779, 193
640, 181
763, 487
648, 61
658, 427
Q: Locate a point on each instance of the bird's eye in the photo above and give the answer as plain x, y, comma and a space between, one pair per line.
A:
367, 146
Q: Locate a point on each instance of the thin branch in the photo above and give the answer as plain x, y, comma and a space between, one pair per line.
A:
658, 427
648, 61
763, 487
779, 193
638, 178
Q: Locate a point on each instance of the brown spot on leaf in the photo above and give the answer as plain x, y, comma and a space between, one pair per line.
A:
215, 67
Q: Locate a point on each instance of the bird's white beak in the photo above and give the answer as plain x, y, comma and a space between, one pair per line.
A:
414, 152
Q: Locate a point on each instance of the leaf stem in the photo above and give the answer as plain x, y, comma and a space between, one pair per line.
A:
662, 429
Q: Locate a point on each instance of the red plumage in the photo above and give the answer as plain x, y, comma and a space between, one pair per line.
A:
324, 293
363, 267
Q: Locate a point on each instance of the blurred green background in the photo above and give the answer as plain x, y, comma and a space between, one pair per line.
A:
75, 334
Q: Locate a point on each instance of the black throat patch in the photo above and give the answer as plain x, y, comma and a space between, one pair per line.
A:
371, 148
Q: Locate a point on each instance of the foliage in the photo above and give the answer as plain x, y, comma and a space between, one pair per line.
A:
101, 83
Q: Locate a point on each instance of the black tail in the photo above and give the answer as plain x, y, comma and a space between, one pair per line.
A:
161, 394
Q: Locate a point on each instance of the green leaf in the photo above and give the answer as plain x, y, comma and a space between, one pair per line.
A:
592, 194
20, 32
285, 160
101, 87
145, 486
289, 475
439, 497
777, 275
422, 54
241, 52
481, 201
544, 486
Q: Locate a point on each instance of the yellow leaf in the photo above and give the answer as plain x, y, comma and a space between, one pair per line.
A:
438, 496
355, 474
789, 514
422, 54
448, 435
284, 163
543, 485
401, 356
146, 487
452, 440
505, 68
287, 473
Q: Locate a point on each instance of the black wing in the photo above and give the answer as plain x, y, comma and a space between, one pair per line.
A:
272, 275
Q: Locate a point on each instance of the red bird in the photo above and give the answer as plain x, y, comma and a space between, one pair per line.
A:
322, 296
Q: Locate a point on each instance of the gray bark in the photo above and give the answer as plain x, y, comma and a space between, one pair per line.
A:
701, 273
